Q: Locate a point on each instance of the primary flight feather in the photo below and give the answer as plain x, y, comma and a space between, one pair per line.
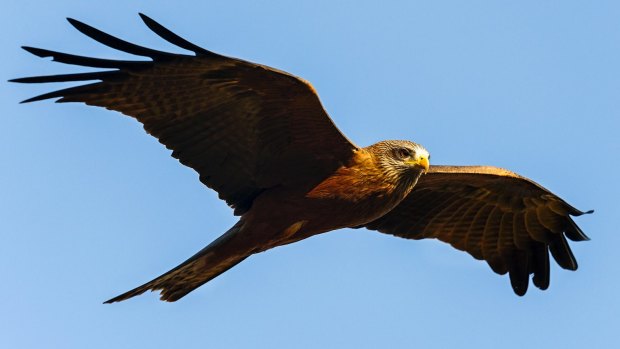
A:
261, 139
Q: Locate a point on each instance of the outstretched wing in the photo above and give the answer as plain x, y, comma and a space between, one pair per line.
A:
493, 214
243, 127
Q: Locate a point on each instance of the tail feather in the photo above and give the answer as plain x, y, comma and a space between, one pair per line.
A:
207, 264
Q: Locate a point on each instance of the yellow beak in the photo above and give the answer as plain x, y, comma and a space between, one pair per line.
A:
423, 162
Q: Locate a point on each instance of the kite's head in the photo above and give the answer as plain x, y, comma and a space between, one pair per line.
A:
402, 160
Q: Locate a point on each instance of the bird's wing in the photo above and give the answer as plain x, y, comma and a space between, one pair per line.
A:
243, 127
493, 214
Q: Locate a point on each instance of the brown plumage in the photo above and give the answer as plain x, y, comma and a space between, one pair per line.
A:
507, 220
261, 139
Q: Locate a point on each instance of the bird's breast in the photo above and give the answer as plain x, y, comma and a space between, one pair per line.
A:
357, 194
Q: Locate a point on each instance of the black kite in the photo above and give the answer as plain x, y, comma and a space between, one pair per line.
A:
261, 139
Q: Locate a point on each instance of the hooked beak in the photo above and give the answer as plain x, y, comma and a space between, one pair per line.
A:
421, 161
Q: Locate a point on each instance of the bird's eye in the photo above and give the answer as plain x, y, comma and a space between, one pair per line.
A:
404, 153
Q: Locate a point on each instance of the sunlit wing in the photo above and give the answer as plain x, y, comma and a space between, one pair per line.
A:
243, 127
507, 220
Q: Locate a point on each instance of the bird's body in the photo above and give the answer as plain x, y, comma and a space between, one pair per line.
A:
349, 194
261, 139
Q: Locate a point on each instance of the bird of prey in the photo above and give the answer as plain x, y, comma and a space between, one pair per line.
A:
260, 138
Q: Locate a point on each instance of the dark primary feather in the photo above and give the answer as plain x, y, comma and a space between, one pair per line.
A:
173, 38
117, 43
243, 127
494, 215
85, 61
82, 89
100, 75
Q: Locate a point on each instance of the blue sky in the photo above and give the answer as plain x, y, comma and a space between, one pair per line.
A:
91, 206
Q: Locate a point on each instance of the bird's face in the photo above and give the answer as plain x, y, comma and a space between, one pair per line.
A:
402, 160
412, 158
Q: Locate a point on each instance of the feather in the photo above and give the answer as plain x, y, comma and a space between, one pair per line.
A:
173, 38
64, 92
119, 44
561, 252
519, 273
575, 233
86, 61
541, 265
100, 75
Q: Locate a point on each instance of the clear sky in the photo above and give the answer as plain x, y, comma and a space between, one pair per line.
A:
91, 206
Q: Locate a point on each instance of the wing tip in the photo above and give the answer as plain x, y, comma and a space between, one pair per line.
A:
73, 21
573, 232
79, 25
576, 213
519, 290
34, 99
39, 52
173, 38
519, 283
541, 283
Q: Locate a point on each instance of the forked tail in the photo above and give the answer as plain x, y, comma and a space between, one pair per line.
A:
219, 256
